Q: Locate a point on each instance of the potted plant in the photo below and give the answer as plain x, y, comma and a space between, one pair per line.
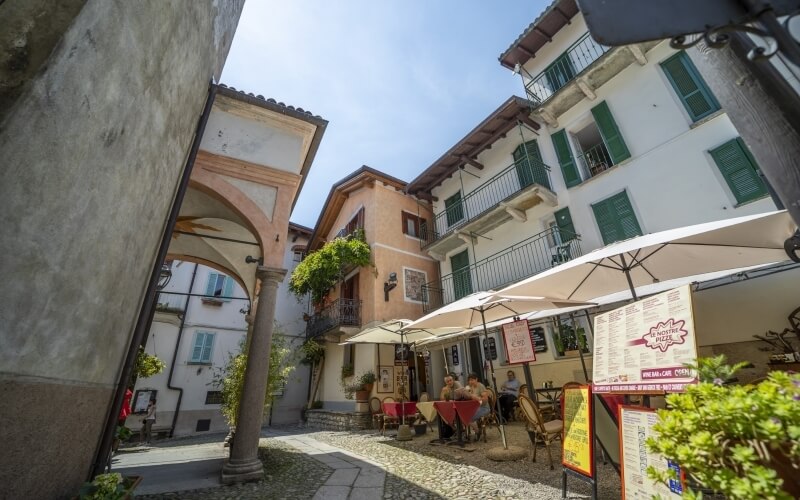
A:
112, 486
367, 379
740, 440
420, 425
121, 435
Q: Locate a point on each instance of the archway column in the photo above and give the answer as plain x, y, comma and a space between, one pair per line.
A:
244, 464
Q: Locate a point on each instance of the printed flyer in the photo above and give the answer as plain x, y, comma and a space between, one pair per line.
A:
643, 347
576, 447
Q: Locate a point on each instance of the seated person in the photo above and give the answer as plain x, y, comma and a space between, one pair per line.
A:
449, 389
478, 392
509, 392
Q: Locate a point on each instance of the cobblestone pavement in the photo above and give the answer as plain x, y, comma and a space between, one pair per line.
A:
310, 464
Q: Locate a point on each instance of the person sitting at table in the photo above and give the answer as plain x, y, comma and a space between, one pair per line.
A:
448, 392
509, 392
477, 392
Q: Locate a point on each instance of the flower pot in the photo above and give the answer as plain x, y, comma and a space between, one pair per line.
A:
572, 354
362, 395
420, 429
368, 388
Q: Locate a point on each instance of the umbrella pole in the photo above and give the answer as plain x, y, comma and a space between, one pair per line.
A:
627, 271
416, 371
446, 367
494, 384
580, 349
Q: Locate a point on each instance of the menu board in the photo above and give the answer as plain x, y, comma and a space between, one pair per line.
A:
537, 337
519, 342
635, 426
576, 444
644, 346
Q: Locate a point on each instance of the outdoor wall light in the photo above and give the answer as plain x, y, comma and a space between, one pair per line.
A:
164, 276
389, 285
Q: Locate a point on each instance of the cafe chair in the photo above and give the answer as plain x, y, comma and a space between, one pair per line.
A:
389, 420
517, 413
424, 398
538, 429
492, 418
377, 412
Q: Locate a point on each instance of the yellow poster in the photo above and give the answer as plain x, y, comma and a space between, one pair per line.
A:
576, 452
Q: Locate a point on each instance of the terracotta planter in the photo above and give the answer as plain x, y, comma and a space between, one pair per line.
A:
783, 466
368, 388
362, 395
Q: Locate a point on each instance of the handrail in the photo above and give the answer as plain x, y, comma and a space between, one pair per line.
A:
340, 312
596, 159
521, 260
501, 186
575, 59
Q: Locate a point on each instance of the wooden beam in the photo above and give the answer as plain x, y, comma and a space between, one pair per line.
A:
527, 52
543, 33
524, 118
563, 15
471, 161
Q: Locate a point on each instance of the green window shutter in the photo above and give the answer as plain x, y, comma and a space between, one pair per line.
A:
454, 209
566, 229
228, 290
610, 132
565, 159
462, 282
739, 170
212, 283
208, 346
560, 72
690, 87
616, 218
530, 167
197, 350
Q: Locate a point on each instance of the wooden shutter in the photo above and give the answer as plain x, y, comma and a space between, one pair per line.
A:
208, 346
454, 209
565, 159
690, 87
566, 228
610, 132
228, 288
212, 283
530, 167
462, 282
616, 218
606, 222
739, 170
197, 350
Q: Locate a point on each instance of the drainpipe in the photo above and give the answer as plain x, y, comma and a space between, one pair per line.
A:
147, 310
175, 355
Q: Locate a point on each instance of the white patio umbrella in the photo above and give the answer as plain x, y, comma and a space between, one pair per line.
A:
652, 258
481, 307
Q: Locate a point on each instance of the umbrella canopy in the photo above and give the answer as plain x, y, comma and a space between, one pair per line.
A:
395, 332
479, 308
675, 253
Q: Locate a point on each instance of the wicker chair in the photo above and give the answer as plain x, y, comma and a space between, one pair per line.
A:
424, 398
538, 429
377, 412
518, 415
491, 418
389, 420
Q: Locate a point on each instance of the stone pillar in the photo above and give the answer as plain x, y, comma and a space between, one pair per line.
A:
243, 464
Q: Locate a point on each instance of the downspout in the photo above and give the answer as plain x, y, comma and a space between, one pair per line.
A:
175, 355
147, 310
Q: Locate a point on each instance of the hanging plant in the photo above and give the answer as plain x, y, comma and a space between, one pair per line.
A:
312, 352
321, 270
147, 365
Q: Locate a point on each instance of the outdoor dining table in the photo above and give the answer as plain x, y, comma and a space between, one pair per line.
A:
400, 410
459, 413
427, 410
550, 396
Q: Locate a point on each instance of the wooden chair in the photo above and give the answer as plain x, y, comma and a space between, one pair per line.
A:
377, 412
388, 420
518, 416
491, 418
538, 429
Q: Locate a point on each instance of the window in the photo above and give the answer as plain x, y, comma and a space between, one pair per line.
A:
566, 229
740, 171
219, 287
356, 223
412, 225
616, 218
203, 425
560, 72
454, 209
462, 281
350, 355
214, 397
690, 87
570, 336
203, 349
529, 165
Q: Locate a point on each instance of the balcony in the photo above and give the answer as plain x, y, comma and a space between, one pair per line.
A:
538, 253
595, 160
506, 195
573, 76
342, 316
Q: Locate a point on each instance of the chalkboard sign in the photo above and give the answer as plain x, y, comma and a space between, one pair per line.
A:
455, 355
491, 352
537, 337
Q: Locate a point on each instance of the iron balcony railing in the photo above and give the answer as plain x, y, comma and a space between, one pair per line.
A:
340, 312
538, 253
508, 182
577, 58
596, 159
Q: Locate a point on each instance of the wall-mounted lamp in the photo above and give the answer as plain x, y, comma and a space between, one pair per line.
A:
164, 276
252, 260
389, 285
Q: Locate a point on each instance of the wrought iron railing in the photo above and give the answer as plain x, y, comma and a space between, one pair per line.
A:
340, 312
531, 256
508, 182
577, 58
596, 159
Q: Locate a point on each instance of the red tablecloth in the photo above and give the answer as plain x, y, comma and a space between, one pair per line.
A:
448, 410
394, 409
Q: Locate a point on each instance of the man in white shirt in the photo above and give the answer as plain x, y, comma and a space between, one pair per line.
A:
509, 392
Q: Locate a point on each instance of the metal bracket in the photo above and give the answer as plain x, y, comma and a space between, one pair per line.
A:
792, 246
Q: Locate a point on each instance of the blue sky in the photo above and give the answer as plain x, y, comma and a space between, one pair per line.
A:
400, 82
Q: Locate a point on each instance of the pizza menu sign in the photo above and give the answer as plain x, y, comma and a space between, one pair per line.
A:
644, 346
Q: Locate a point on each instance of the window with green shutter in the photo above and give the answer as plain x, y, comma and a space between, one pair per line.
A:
610, 133
740, 171
454, 209
203, 347
616, 218
565, 158
462, 281
566, 229
529, 165
560, 72
690, 87
219, 286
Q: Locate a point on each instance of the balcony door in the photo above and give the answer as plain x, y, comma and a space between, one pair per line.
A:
462, 282
560, 72
348, 306
529, 165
